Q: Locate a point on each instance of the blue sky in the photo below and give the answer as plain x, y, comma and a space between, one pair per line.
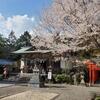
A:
22, 12
16, 7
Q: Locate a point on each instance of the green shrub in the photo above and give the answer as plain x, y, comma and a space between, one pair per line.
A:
97, 98
62, 78
1, 77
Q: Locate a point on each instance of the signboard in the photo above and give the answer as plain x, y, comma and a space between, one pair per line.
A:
49, 75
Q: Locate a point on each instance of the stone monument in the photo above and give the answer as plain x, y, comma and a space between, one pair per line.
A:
82, 79
35, 78
75, 79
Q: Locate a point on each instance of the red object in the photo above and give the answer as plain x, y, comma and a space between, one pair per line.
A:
93, 72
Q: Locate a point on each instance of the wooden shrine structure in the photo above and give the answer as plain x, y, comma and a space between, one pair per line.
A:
94, 72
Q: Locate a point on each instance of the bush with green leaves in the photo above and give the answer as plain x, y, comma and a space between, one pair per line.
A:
62, 78
1, 77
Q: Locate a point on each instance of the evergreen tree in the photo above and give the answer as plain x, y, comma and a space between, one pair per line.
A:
12, 39
23, 40
10, 46
3, 44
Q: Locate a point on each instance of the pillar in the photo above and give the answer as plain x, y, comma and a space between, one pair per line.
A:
90, 73
22, 65
93, 76
50, 69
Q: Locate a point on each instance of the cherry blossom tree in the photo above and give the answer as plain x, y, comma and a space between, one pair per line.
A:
77, 19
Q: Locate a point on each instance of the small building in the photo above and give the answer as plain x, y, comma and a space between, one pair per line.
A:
43, 58
32, 57
46, 59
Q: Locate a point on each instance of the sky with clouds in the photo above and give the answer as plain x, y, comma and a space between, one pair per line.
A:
20, 15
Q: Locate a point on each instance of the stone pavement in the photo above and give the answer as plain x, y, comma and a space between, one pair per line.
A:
65, 92
5, 85
72, 92
11, 90
31, 95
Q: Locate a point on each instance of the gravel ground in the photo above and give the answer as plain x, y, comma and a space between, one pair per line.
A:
65, 92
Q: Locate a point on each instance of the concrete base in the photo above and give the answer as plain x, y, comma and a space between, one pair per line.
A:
34, 85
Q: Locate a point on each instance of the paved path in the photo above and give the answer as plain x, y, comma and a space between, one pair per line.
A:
31, 95
5, 85
11, 90
71, 92
66, 92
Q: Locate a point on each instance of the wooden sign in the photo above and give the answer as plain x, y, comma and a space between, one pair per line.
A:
49, 75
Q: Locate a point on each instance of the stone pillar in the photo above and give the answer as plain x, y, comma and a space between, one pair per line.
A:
75, 79
82, 79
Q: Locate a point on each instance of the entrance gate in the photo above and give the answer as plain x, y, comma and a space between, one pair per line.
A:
93, 72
